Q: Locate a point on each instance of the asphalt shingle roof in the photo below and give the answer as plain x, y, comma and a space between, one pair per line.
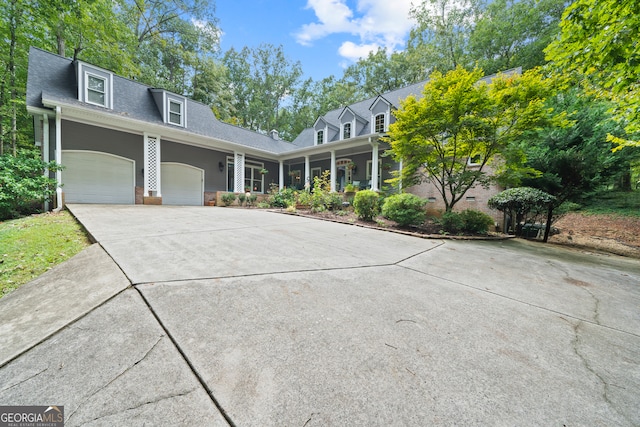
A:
53, 77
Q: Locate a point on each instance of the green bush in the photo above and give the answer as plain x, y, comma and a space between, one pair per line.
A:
242, 197
22, 184
451, 222
366, 205
475, 221
281, 198
405, 209
333, 201
228, 198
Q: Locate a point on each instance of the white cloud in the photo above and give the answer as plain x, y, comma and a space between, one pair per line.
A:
353, 52
375, 23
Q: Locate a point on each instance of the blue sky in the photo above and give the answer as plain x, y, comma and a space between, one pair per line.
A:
324, 35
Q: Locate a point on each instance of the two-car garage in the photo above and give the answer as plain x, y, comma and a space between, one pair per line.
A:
98, 177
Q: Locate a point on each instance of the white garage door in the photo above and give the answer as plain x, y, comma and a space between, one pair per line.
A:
94, 177
181, 184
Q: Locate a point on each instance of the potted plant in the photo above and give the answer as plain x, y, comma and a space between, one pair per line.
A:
352, 166
349, 191
263, 171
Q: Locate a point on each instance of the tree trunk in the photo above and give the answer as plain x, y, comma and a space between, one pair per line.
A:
16, 14
547, 228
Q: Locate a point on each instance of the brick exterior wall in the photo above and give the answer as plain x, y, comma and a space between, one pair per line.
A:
476, 198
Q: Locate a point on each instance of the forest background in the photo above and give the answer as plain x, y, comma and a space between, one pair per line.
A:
176, 45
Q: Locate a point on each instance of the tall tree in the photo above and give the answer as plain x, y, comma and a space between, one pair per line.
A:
262, 79
380, 72
576, 160
599, 39
172, 37
440, 40
460, 125
514, 33
89, 30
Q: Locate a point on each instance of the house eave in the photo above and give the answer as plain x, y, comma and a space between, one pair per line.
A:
140, 127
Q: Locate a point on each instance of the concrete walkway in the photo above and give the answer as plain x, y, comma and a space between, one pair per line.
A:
214, 316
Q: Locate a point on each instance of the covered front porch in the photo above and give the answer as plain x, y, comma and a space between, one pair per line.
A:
359, 163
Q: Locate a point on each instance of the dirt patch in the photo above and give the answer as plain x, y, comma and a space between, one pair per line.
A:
608, 233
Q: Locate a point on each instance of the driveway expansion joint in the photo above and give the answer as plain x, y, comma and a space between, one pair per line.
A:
187, 361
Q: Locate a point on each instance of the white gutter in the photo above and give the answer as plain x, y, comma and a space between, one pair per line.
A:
126, 124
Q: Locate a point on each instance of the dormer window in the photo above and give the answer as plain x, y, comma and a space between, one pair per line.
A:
96, 87
346, 131
172, 107
379, 123
320, 137
175, 113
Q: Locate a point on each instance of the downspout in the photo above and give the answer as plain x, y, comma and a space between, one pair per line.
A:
45, 151
58, 158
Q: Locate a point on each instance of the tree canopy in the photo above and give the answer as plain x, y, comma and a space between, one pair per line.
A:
599, 39
459, 126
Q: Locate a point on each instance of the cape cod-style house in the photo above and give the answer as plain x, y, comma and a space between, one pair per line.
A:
124, 142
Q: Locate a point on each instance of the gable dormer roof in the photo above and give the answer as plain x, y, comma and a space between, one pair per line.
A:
379, 99
357, 116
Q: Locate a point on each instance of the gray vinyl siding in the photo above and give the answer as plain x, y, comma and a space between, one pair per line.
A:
78, 136
214, 180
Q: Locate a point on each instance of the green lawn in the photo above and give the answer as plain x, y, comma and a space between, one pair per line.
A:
32, 245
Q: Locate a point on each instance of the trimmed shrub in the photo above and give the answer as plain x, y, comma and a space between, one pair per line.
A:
451, 222
405, 209
475, 221
242, 197
366, 205
228, 198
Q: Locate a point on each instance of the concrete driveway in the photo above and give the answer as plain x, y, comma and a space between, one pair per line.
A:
214, 316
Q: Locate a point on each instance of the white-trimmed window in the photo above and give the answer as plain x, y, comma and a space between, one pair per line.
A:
253, 179
320, 137
474, 160
96, 90
346, 131
176, 114
369, 173
379, 123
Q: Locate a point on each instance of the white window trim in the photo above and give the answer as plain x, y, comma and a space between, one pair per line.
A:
470, 161
352, 125
169, 112
87, 75
253, 165
324, 136
386, 122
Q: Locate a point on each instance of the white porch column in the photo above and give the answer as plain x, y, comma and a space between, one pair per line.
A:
45, 150
152, 170
281, 175
374, 167
400, 181
59, 157
333, 171
307, 171
238, 168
